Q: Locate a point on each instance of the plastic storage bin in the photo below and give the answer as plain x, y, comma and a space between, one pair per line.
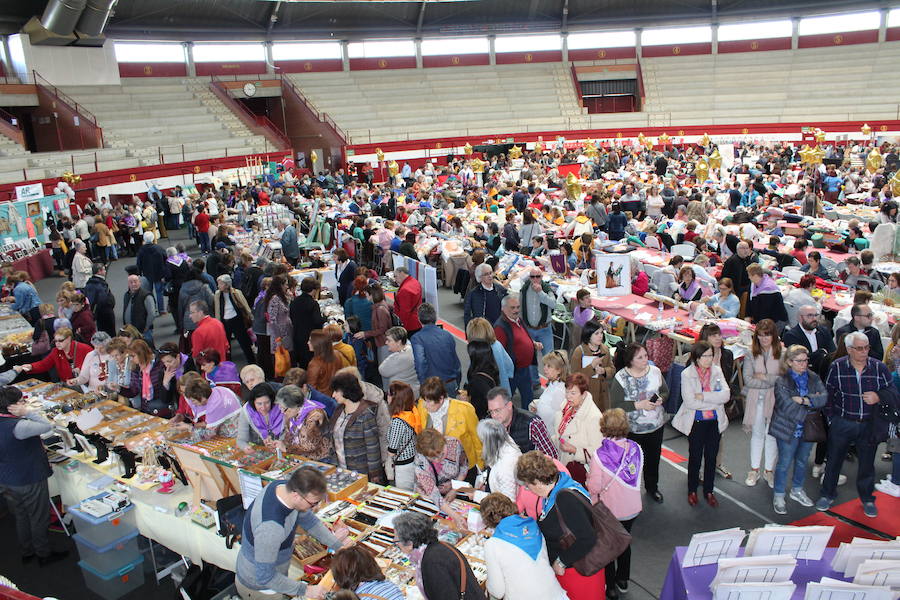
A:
110, 557
115, 583
101, 531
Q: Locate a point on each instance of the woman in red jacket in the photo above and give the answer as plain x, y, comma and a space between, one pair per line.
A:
66, 357
82, 318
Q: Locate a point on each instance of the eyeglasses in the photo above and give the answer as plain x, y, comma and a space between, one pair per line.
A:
537, 276
800, 360
60, 340
866, 315
707, 355
312, 503
859, 348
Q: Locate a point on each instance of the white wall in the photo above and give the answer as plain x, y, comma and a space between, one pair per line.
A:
66, 65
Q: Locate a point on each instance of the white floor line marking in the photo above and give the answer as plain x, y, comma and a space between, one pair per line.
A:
720, 493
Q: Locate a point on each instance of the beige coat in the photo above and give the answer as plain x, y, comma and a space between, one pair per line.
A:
690, 387
583, 431
104, 236
770, 368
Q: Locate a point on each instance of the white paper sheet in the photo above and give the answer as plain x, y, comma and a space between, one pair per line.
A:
807, 543
88, 419
251, 486
878, 572
755, 591
708, 547
833, 589
754, 569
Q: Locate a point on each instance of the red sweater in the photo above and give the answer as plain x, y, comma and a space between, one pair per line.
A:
522, 345
201, 222
210, 333
61, 362
406, 303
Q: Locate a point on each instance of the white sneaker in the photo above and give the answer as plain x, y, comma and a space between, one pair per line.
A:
799, 496
752, 477
889, 488
818, 470
779, 505
769, 477
842, 479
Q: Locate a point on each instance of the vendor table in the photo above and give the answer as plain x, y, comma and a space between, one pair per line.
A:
38, 265
693, 582
155, 516
618, 305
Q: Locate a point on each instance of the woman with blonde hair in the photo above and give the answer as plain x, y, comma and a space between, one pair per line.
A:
761, 370
480, 329
556, 370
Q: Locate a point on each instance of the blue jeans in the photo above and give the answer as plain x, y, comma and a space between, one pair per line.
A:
159, 286
204, 241
895, 468
795, 452
841, 434
522, 381
545, 337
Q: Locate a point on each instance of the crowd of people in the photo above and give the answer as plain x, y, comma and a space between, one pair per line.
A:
383, 391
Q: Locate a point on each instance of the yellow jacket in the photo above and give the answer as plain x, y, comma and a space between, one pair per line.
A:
461, 424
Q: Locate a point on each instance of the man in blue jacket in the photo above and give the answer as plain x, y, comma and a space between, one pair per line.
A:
151, 263
434, 352
289, 245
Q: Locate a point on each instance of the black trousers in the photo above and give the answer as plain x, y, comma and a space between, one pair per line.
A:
651, 445
619, 570
235, 327
703, 445
30, 504
264, 355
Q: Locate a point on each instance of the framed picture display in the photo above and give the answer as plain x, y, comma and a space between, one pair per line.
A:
613, 274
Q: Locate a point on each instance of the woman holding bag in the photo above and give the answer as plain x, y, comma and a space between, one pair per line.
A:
615, 479
798, 394
565, 521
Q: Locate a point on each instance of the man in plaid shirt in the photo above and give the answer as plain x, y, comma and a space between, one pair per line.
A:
853, 383
526, 429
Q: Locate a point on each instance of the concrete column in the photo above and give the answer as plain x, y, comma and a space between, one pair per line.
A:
345, 55
565, 48
418, 42
795, 33
189, 58
4, 56
270, 60
882, 26
715, 38
492, 52
637, 42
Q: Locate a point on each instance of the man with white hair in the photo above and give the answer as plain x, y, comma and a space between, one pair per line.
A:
483, 300
289, 243
854, 382
151, 263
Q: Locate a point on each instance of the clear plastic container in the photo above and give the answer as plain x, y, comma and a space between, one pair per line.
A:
110, 557
114, 584
101, 531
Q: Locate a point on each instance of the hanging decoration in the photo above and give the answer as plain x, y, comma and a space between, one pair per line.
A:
701, 169
379, 154
874, 161
715, 160
515, 152
467, 149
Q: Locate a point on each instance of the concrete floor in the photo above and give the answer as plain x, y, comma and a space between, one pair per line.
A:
657, 531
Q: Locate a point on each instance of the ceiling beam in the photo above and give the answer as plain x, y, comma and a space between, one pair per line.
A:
273, 17
421, 19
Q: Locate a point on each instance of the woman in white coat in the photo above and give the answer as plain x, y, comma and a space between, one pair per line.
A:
516, 554
576, 430
702, 418
500, 454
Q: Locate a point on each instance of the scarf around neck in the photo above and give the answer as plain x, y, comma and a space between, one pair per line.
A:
705, 378
565, 482
309, 405
411, 418
271, 428
802, 381
688, 293
612, 456
766, 286
522, 532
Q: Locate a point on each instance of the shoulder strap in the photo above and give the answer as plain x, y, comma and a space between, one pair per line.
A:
462, 571
373, 596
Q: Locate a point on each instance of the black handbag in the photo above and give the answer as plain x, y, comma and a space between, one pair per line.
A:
814, 427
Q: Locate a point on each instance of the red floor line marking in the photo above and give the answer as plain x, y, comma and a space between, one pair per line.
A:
454, 331
673, 456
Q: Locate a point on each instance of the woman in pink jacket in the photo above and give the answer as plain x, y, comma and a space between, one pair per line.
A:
615, 478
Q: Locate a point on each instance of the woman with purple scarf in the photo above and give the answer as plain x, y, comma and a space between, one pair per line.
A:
261, 421
615, 478
688, 286
766, 301
307, 430
218, 371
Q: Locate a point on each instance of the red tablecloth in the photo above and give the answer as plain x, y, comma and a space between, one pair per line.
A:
37, 265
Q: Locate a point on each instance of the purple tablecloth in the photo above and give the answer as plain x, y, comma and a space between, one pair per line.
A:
693, 582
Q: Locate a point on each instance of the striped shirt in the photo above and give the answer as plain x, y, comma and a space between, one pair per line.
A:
846, 387
402, 441
379, 590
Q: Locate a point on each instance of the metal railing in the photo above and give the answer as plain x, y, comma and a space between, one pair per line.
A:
48, 87
258, 123
289, 86
10, 126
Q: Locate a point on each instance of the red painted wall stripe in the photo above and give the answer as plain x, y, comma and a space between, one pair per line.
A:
754, 45
676, 50
538, 56
310, 66
390, 62
838, 39
672, 456
456, 60
152, 70
602, 53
